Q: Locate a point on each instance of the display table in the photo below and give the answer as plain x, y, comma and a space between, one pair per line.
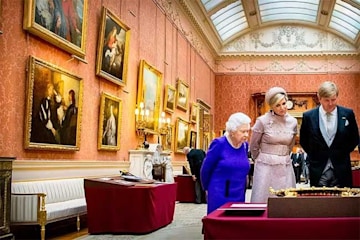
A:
356, 177
185, 188
114, 208
217, 225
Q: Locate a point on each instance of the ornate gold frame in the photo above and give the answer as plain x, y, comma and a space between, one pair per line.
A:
169, 99
182, 95
112, 61
58, 37
109, 105
181, 135
149, 91
43, 76
194, 112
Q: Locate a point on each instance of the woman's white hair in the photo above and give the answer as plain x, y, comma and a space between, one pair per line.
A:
236, 120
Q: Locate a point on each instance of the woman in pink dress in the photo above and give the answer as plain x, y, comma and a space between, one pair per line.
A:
272, 139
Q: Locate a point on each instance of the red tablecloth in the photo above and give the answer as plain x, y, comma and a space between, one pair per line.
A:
185, 188
356, 177
112, 208
219, 226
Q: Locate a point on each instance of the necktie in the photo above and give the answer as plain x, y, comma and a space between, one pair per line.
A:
328, 123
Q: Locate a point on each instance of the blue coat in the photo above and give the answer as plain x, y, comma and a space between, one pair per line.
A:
223, 173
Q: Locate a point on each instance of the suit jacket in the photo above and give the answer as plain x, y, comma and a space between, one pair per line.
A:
195, 158
314, 144
296, 159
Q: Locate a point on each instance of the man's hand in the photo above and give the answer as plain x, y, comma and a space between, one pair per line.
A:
194, 178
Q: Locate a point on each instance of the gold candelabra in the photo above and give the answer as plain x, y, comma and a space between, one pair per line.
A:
163, 124
141, 117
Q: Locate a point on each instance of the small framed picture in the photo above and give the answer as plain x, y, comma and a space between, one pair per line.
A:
193, 136
182, 95
169, 99
182, 135
194, 112
109, 123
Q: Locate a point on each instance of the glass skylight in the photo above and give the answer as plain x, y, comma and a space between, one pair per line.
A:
229, 20
301, 10
345, 19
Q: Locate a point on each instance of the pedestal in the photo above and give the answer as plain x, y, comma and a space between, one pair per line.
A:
5, 197
137, 159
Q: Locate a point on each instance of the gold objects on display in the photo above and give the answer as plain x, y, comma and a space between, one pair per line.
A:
316, 191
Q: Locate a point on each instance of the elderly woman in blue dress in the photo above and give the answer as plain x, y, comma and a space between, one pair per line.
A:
272, 140
224, 170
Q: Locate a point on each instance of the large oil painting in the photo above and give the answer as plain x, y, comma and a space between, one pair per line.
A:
53, 107
149, 91
182, 135
60, 22
113, 48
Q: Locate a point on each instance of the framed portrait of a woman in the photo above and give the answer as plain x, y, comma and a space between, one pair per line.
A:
59, 22
53, 107
109, 122
113, 48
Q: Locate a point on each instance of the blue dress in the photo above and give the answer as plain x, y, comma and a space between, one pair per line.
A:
223, 173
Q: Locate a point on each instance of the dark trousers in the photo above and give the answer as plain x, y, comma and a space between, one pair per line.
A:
199, 192
297, 171
328, 179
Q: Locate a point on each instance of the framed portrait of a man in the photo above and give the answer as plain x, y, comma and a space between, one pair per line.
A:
53, 107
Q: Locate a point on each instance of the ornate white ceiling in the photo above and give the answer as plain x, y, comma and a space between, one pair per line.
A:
277, 27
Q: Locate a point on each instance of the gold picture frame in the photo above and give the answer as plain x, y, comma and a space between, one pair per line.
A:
167, 140
113, 48
169, 98
182, 95
148, 93
181, 135
194, 113
193, 138
109, 122
53, 107
63, 25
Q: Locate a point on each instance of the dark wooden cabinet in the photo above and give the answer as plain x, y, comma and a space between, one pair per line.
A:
5, 197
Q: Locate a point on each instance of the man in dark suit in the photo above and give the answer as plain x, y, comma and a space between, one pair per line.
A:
328, 134
195, 158
296, 162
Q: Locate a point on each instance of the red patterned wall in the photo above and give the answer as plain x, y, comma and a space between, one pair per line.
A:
233, 92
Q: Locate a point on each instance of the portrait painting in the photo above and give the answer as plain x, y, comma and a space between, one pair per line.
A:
113, 48
109, 122
53, 107
182, 135
149, 93
60, 22
182, 95
169, 99
193, 136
